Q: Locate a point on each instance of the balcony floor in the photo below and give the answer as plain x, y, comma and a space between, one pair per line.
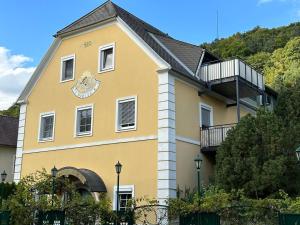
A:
227, 87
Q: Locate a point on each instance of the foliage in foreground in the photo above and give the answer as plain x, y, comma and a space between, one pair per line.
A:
214, 199
33, 194
258, 155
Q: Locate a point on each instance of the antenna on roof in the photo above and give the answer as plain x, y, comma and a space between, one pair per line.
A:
217, 24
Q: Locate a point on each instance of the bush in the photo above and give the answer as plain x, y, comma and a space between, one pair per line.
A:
33, 195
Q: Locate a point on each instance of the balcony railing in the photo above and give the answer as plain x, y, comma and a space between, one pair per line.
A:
231, 68
213, 136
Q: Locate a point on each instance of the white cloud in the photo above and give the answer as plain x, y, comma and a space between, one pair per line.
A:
260, 2
14, 74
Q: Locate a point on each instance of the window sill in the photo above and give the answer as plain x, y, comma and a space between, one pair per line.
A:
64, 81
106, 70
125, 130
79, 135
46, 140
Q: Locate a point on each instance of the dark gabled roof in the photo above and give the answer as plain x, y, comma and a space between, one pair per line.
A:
8, 130
186, 55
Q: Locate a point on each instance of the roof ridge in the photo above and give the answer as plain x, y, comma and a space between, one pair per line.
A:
140, 20
182, 42
86, 15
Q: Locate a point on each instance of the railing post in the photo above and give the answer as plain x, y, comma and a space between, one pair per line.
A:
208, 134
222, 134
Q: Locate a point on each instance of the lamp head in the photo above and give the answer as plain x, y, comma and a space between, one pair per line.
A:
118, 167
198, 162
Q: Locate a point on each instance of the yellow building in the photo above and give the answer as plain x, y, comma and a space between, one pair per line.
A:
114, 88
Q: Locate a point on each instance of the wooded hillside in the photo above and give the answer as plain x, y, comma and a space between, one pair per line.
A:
275, 52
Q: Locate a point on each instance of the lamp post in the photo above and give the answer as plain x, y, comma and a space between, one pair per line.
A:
3, 176
198, 162
53, 174
118, 168
298, 153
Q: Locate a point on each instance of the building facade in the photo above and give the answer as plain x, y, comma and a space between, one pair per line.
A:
8, 143
113, 88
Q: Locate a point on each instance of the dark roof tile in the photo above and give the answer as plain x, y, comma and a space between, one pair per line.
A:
8, 130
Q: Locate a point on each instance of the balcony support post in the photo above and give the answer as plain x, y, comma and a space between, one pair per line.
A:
238, 113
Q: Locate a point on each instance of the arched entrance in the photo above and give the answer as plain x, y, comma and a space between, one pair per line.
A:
86, 181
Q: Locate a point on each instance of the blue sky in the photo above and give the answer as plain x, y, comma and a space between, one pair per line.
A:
26, 27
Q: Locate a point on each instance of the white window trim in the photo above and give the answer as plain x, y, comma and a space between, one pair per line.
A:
125, 99
208, 107
122, 188
102, 48
65, 58
82, 107
45, 114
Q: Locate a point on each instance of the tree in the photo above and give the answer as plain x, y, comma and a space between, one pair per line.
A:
259, 60
11, 111
283, 68
33, 194
254, 158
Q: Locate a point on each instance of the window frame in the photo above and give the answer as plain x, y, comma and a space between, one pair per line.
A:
207, 107
62, 60
43, 115
83, 107
126, 99
100, 58
122, 188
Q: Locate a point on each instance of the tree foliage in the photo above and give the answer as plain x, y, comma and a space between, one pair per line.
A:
258, 155
254, 41
11, 111
33, 194
275, 52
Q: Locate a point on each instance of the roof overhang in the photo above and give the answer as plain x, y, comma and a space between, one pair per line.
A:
90, 179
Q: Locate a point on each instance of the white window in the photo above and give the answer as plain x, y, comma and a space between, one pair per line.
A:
67, 68
84, 120
126, 194
106, 58
206, 115
126, 113
46, 126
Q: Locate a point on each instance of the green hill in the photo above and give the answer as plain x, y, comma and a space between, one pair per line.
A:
251, 42
275, 52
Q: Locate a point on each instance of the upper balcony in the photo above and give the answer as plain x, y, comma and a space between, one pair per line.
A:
221, 77
213, 136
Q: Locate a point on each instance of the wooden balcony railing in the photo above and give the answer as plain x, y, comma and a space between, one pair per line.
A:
213, 136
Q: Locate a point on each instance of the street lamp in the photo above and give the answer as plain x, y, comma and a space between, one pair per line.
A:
118, 168
298, 153
198, 162
53, 174
3, 176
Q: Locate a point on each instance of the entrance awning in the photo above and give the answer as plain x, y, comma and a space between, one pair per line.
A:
88, 178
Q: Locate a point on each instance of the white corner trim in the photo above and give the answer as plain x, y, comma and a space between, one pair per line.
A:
19, 150
46, 114
102, 48
171, 53
208, 107
143, 45
122, 188
62, 60
166, 164
200, 64
92, 144
126, 99
82, 107
187, 140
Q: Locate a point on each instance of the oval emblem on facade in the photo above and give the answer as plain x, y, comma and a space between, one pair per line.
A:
86, 85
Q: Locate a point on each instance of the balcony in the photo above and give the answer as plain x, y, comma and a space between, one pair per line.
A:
212, 137
221, 77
